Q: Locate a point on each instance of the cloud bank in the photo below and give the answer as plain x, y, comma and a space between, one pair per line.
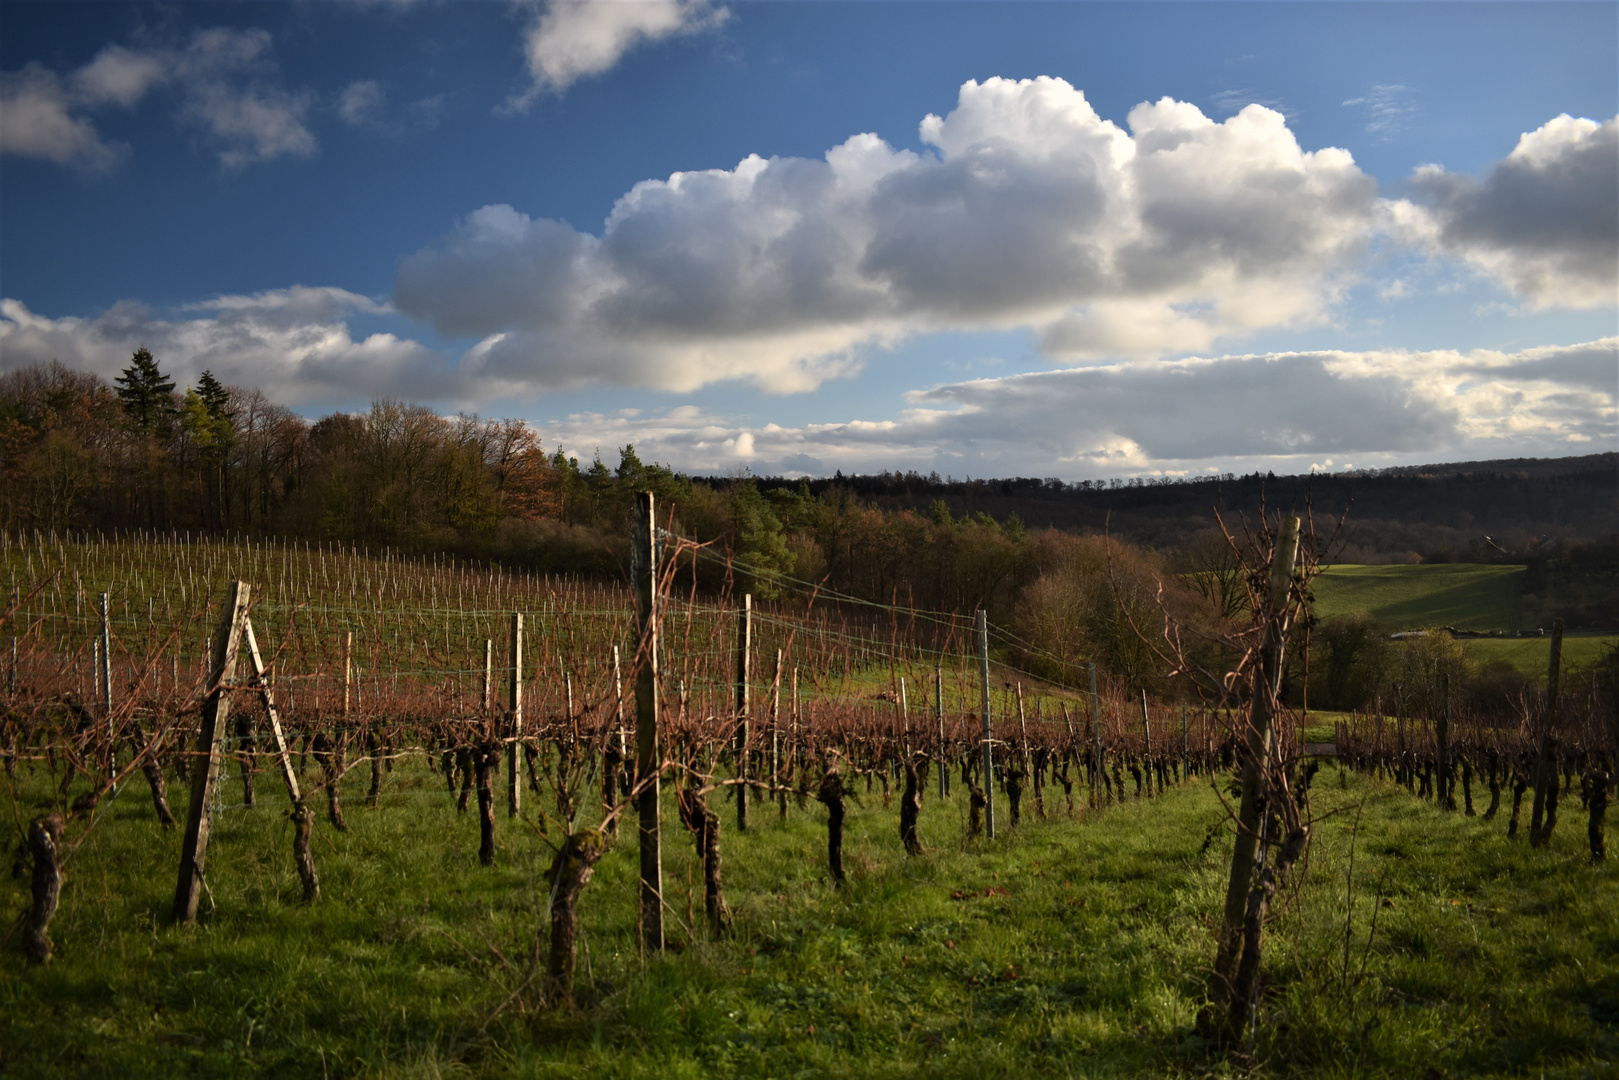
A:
1288, 411
1175, 235
1026, 209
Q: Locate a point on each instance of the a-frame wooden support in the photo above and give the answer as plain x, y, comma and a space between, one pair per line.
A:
235, 628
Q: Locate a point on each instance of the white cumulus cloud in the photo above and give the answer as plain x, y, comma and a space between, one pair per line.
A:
1027, 210
568, 40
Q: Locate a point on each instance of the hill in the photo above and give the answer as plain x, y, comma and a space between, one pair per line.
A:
1511, 510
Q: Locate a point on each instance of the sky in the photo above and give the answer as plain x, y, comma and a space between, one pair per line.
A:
1074, 240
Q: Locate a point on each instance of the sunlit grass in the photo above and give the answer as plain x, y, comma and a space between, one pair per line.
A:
1062, 948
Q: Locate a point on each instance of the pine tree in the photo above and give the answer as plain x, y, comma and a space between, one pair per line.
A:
214, 396
147, 394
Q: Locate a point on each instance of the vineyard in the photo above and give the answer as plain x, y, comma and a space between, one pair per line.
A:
382, 785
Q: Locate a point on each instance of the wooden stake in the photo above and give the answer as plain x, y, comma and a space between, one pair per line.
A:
744, 651
647, 765
989, 761
205, 776
938, 711
302, 817
515, 723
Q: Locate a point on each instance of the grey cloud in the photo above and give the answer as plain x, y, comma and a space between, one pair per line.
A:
1289, 411
361, 102
1238, 406
501, 270
227, 86
1593, 366
1544, 220
294, 344
37, 120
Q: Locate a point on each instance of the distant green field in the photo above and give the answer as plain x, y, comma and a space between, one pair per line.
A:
1467, 596
1463, 595
1581, 652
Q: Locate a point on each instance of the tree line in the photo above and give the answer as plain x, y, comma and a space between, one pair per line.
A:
77, 452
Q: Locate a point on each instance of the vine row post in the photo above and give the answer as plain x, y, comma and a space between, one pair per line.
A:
744, 651
989, 761
645, 573
205, 775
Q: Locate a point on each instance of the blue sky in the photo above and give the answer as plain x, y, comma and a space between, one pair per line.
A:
1132, 239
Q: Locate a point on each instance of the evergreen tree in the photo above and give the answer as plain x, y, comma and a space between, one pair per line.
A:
215, 397
146, 393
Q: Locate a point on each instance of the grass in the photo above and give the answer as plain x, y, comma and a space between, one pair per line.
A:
1460, 595
1581, 652
1466, 596
1062, 949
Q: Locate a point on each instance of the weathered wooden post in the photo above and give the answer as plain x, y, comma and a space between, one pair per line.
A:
1544, 817
1185, 756
1096, 740
797, 754
488, 678
744, 650
1446, 799
205, 776
514, 723
106, 689
938, 713
1255, 778
645, 572
775, 738
1146, 742
303, 818
989, 761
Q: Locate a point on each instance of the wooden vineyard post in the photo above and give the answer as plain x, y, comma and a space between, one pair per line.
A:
106, 688
904, 721
1544, 817
938, 710
744, 649
514, 706
618, 703
1256, 767
775, 738
989, 761
1446, 800
645, 572
205, 774
798, 758
1146, 742
1096, 740
1185, 757
488, 677
303, 818
348, 671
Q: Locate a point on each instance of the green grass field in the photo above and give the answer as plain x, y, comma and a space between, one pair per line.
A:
1466, 596
1581, 652
1063, 949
